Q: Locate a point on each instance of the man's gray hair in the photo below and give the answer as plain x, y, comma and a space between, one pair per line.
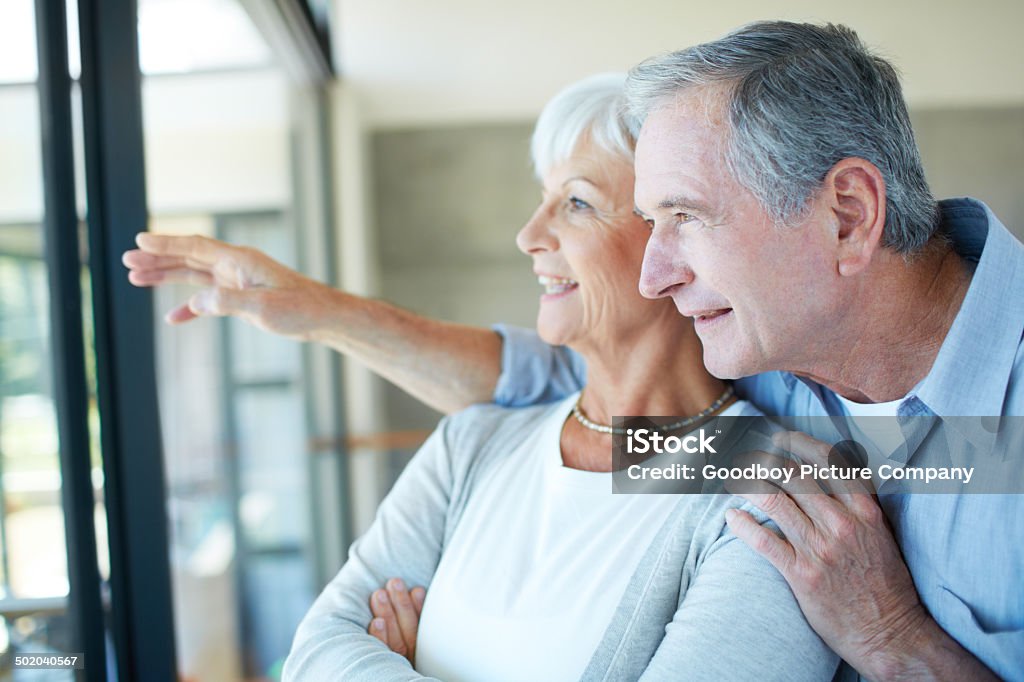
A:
803, 97
593, 107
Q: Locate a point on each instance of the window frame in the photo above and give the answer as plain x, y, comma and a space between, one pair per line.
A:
141, 616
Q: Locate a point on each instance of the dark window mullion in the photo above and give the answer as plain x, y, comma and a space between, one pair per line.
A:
70, 390
126, 376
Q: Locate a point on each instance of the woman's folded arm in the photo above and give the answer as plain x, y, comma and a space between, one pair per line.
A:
404, 541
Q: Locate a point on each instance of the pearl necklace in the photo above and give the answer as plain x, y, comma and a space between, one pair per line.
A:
581, 417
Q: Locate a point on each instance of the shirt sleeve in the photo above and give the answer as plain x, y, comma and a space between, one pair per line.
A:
533, 372
739, 620
404, 541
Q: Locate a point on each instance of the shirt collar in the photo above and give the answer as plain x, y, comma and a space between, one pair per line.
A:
972, 369
970, 375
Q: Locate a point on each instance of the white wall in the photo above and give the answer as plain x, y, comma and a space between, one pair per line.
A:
452, 61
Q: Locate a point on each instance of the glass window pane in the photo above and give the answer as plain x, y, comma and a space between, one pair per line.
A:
255, 355
33, 558
219, 135
273, 475
18, 42
183, 36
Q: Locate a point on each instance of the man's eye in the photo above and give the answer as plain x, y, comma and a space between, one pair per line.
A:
577, 204
685, 218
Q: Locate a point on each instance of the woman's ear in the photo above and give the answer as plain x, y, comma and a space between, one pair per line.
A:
855, 189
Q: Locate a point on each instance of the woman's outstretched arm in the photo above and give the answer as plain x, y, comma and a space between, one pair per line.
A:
447, 366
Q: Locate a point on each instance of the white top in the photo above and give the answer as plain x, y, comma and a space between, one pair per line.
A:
875, 426
538, 564
692, 582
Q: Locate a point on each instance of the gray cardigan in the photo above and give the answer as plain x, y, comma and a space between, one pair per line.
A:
700, 605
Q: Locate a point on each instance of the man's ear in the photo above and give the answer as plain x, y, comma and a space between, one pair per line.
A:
855, 189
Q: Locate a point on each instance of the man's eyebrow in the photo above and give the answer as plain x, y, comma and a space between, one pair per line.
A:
683, 202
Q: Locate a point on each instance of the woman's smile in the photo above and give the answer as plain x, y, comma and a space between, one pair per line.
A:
556, 287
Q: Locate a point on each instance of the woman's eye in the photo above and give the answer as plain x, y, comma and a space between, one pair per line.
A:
577, 204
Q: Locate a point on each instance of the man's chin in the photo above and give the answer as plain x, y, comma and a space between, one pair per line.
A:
725, 367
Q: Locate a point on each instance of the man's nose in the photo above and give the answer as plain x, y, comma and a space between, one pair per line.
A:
664, 267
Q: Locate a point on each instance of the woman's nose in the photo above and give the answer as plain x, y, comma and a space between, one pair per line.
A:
537, 235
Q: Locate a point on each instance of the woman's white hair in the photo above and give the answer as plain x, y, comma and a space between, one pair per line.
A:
592, 107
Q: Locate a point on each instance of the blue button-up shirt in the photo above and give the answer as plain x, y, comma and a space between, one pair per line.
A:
965, 552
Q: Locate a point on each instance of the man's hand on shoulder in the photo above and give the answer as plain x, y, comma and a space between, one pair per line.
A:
842, 562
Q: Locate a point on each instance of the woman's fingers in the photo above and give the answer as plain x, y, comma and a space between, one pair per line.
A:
146, 270
396, 615
229, 265
180, 314
197, 248
379, 629
238, 280
137, 259
182, 275
380, 611
381, 606
418, 596
406, 612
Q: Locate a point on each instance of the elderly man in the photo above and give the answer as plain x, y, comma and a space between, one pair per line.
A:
791, 219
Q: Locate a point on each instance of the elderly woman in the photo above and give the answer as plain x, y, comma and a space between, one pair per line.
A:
535, 570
